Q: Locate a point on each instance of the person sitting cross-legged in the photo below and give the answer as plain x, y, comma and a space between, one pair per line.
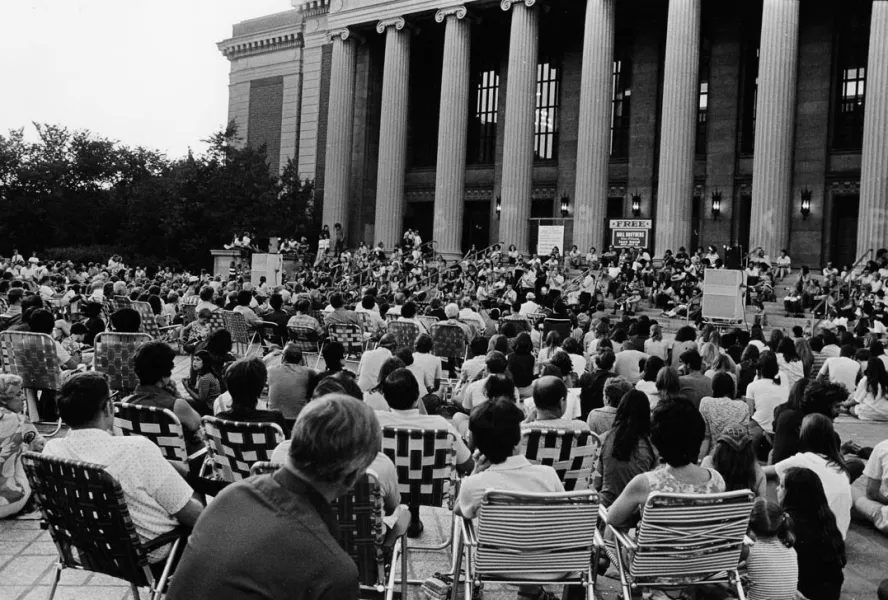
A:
872, 504
158, 498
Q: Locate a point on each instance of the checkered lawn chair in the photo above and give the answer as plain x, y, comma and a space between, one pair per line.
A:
449, 342
573, 454
216, 321
520, 324
359, 514
234, 446
532, 538
86, 513
4, 303
425, 460
33, 357
684, 540
349, 335
118, 302
404, 332
307, 340
241, 335
115, 353
428, 321
160, 425
149, 323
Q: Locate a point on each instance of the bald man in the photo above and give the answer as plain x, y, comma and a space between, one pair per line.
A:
550, 402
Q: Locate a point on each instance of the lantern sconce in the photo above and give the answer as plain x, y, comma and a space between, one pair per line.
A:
806, 203
499, 206
716, 203
565, 205
636, 204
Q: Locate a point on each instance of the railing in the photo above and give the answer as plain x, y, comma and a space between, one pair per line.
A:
483, 252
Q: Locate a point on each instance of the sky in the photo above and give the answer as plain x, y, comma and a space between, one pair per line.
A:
143, 72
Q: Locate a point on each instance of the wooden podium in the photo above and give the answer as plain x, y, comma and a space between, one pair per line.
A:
222, 261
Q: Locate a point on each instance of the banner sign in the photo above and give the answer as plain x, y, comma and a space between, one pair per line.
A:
630, 233
550, 236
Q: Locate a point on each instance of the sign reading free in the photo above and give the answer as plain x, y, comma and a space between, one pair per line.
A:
630, 233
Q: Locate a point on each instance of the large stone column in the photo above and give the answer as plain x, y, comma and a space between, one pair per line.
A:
872, 227
340, 114
453, 128
678, 131
392, 132
774, 126
593, 135
520, 109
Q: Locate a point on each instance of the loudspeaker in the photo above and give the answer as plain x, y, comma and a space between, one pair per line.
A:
723, 295
733, 257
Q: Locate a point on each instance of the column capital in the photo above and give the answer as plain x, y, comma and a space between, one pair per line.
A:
397, 22
506, 5
459, 11
344, 34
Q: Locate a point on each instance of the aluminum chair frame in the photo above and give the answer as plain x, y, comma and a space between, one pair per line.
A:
301, 335
575, 464
171, 440
230, 454
23, 352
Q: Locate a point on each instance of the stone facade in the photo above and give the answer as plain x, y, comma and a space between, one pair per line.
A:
295, 46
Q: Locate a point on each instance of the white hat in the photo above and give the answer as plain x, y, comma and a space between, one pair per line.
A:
531, 296
33, 260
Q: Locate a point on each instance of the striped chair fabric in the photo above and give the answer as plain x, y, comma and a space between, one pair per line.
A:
306, 339
236, 324
573, 454
520, 533
234, 446
87, 516
118, 302
684, 538
31, 356
149, 322
404, 332
429, 322
425, 460
350, 336
535, 318
115, 353
160, 425
449, 342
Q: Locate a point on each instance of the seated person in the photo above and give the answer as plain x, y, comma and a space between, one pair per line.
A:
126, 320
401, 392
244, 299
872, 504
154, 363
17, 435
500, 464
159, 500
246, 380
197, 332
550, 401
289, 382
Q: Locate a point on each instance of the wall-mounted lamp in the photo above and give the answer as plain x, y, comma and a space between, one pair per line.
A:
716, 204
499, 206
565, 205
806, 203
636, 204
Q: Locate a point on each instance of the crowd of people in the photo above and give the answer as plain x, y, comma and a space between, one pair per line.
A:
555, 342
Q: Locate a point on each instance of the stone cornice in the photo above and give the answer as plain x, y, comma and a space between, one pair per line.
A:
311, 8
345, 13
397, 22
274, 40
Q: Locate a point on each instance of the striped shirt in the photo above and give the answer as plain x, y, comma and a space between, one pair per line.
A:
773, 571
819, 359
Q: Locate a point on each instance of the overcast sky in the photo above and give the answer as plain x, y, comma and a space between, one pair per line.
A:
144, 72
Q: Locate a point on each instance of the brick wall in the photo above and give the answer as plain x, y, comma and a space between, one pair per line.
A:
265, 114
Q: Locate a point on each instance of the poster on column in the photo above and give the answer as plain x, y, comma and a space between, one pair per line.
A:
630, 233
550, 236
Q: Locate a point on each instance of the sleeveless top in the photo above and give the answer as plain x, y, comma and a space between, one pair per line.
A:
661, 480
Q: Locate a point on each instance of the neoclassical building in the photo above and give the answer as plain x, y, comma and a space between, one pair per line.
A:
758, 123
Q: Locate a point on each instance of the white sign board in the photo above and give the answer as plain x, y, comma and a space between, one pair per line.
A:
269, 265
550, 236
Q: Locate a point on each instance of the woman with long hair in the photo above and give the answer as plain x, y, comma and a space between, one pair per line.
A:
747, 368
819, 544
734, 458
721, 411
806, 355
668, 384
550, 346
709, 353
374, 396
627, 449
767, 392
870, 400
648, 381
655, 345
819, 451
522, 364
788, 361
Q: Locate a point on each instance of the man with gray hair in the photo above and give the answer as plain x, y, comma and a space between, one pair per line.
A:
451, 311
274, 536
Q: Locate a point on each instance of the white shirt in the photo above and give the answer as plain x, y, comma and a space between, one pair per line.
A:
626, 364
841, 370
766, 396
835, 483
153, 490
428, 365
529, 307
515, 474
368, 370
877, 468
474, 394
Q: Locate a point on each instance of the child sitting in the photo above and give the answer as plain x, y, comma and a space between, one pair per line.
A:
772, 564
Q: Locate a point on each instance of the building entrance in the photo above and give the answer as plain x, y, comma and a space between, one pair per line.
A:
476, 225
846, 210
